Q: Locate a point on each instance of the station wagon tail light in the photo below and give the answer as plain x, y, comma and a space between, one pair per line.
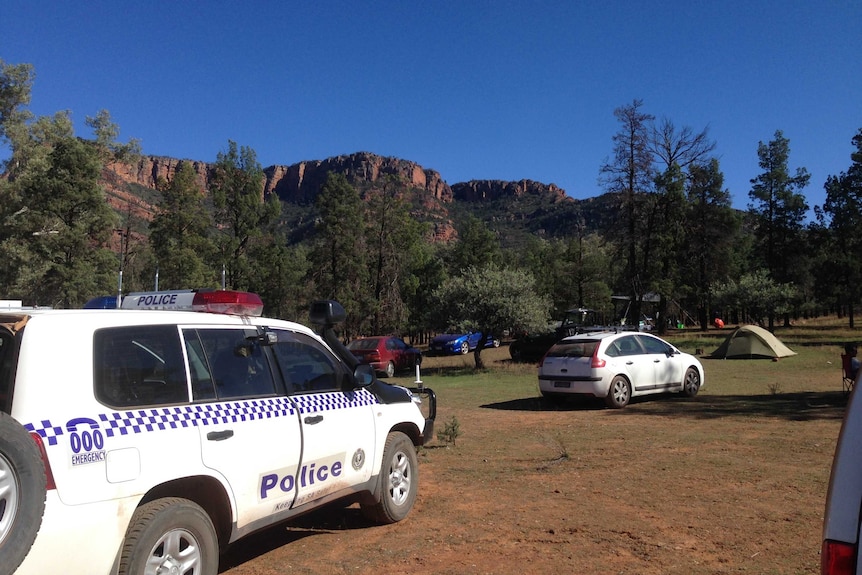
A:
49, 475
212, 301
837, 558
596, 362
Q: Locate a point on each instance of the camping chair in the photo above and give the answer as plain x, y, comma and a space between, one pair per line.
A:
846, 379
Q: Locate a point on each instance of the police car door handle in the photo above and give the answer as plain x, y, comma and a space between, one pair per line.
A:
311, 420
220, 435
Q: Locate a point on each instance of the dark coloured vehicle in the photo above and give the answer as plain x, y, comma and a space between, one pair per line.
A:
532, 347
386, 354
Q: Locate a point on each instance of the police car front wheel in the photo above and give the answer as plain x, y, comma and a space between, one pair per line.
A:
22, 493
170, 535
398, 481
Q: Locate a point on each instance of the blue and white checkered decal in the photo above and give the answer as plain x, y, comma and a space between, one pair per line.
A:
136, 421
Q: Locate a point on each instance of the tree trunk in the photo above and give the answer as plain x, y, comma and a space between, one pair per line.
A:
477, 353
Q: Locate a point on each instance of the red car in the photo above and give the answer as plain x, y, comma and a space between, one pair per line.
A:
387, 354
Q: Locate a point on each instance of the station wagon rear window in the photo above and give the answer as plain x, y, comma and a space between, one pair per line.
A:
583, 348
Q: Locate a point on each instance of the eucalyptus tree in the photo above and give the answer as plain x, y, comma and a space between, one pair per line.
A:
241, 211
778, 208
756, 296
490, 299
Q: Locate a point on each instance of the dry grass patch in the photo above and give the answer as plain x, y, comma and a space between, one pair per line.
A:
731, 481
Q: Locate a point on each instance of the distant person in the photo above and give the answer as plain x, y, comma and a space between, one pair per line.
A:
850, 351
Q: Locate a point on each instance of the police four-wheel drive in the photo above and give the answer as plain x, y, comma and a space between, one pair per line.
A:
144, 442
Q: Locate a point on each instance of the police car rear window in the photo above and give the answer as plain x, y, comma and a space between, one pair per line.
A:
139, 366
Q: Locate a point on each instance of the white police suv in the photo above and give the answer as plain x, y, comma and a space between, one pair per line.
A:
143, 442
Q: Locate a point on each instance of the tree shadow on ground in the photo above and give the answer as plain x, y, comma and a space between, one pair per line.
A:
803, 406
322, 521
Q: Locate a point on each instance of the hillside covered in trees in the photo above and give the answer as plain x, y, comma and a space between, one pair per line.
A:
392, 240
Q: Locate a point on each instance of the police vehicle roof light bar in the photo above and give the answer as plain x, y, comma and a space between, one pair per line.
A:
213, 301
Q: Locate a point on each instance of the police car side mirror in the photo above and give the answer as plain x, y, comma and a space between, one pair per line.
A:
268, 338
363, 375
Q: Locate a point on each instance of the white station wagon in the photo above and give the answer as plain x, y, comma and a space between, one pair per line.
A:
617, 367
144, 442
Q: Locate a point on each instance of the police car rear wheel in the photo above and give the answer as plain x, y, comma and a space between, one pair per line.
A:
170, 535
398, 481
22, 492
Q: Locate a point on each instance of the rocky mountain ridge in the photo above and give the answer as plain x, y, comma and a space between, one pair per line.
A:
430, 195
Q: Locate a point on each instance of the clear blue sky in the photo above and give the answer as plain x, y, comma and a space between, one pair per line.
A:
473, 89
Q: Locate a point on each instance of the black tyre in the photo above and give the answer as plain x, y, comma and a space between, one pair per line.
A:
619, 394
390, 369
465, 348
170, 535
515, 352
496, 343
398, 482
691, 382
22, 493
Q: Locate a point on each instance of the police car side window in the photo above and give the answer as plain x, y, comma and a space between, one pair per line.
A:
139, 366
305, 364
237, 362
203, 386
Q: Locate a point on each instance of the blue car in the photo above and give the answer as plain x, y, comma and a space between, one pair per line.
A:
459, 343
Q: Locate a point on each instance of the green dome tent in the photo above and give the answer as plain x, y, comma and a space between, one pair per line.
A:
750, 342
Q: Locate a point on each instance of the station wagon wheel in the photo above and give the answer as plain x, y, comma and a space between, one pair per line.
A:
691, 382
465, 348
170, 535
22, 492
390, 369
398, 481
619, 393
